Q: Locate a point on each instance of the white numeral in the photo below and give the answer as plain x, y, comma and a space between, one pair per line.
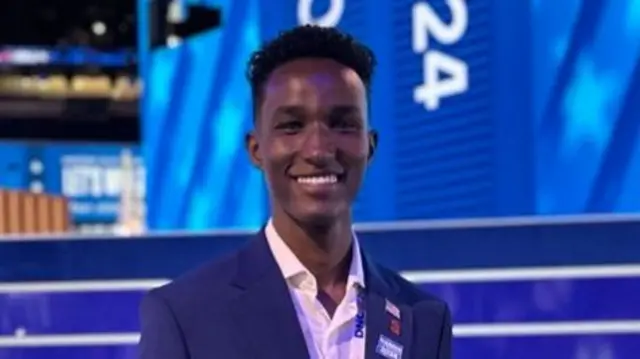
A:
330, 18
443, 75
426, 22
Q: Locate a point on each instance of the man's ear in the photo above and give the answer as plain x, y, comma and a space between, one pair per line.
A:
251, 143
373, 143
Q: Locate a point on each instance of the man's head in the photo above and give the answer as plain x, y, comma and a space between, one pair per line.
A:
312, 137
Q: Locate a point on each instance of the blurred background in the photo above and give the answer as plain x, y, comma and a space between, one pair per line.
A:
507, 180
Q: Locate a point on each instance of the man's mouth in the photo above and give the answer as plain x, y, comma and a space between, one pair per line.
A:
318, 179
320, 185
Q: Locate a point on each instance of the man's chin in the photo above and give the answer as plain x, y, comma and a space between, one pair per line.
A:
321, 216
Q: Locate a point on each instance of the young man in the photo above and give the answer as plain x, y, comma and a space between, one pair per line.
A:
302, 288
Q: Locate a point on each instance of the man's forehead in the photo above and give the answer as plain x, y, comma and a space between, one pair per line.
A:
317, 74
301, 85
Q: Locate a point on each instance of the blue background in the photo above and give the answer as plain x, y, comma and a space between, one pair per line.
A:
547, 126
586, 104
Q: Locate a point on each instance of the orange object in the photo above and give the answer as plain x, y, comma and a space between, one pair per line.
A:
23, 212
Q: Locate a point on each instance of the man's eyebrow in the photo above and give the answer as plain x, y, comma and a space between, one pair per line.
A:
300, 111
345, 109
295, 110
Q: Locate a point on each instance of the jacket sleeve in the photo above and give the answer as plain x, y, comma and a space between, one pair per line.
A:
160, 337
444, 347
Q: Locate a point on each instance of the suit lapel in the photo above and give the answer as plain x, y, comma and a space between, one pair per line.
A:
384, 329
264, 310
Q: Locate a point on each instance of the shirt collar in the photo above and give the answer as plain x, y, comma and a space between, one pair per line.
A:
292, 268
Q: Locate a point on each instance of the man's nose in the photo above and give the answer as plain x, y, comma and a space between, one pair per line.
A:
319, 146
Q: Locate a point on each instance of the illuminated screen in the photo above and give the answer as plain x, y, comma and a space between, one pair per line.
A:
483, 110
196, 111
586, 102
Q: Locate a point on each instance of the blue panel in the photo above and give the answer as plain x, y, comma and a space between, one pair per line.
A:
629, 202
82, 352
14, 165
73, 312
444, 154
90, 176
587, 97
552, 347
541, 300
524, 246
197, 110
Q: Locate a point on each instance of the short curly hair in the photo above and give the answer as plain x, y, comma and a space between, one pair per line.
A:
308, 41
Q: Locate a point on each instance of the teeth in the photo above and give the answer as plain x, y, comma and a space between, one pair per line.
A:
318, 179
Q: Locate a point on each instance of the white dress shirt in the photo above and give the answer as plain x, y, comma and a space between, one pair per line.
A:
326, 337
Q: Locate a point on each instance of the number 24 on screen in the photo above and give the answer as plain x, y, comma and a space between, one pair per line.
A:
427, 25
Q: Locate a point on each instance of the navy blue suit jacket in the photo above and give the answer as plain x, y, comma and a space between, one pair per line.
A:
240, 308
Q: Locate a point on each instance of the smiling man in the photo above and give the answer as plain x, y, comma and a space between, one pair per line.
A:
302, 288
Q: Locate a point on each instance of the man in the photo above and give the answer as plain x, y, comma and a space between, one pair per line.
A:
301, 288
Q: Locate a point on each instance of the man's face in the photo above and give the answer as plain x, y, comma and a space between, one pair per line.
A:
312, 139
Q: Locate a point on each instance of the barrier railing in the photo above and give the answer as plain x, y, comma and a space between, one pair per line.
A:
526, 288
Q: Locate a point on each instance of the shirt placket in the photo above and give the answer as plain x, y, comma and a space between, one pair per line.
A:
325, 329
320, 320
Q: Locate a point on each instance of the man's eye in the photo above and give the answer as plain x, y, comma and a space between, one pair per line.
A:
344, 124
290, 126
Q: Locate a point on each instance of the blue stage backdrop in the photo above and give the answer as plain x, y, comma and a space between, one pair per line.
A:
586, 101
196, 110
525, 289
484, 109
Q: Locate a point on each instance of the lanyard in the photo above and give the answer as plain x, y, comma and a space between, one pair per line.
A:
360, 315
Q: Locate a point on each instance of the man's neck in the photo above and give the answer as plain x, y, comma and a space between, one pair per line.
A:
325, 252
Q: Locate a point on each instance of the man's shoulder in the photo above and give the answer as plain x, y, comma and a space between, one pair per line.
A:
209, 282
177, 314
